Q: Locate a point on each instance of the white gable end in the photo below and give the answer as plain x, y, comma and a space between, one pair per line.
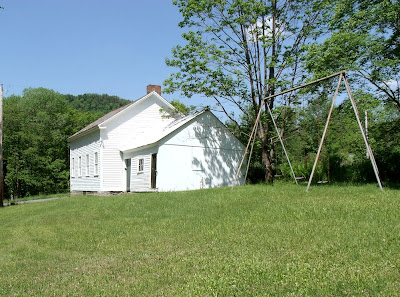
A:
132, 127
208, 156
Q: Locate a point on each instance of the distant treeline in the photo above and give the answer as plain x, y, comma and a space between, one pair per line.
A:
36, 127
95, 102
38, 123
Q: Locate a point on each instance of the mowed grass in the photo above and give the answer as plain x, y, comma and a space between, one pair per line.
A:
253, 241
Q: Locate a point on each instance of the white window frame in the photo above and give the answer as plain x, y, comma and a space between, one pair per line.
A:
141, 165
96, 164
73, 167
80, 166
87, 165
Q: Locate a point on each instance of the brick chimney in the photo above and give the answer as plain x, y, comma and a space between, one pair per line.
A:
155, 88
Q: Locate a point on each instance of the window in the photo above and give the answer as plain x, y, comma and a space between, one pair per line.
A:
141, 165
87, 165
96, 164
80, 166
73, 167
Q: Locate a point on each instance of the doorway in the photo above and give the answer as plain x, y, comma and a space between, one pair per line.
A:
153, 170
128, 174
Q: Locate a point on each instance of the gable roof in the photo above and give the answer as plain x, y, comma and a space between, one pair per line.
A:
170, 128
95, 125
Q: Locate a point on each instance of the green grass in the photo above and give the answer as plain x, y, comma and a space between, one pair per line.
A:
253, 241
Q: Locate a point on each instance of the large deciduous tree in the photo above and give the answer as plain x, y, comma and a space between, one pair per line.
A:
241, 51
34, 142
364, 39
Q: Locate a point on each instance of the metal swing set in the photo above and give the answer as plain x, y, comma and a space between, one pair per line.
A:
342, 76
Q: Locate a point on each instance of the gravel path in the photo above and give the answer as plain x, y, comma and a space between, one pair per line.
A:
33, 201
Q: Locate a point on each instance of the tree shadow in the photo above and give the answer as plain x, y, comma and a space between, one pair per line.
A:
221, 154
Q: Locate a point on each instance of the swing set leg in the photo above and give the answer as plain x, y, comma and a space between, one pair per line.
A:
324, 133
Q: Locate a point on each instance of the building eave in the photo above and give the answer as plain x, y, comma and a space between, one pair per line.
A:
139, 148
82, 134
102, 121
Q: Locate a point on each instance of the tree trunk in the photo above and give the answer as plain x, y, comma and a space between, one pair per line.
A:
266, 155
267, 162
267, 159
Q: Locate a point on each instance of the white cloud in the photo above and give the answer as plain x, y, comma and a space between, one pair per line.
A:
393, 84
256, 30
260, 29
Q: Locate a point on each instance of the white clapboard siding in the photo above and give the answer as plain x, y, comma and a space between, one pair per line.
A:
133, 127
88, 145
202, 154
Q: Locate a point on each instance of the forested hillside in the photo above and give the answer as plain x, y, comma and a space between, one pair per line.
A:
36, 127
95, 102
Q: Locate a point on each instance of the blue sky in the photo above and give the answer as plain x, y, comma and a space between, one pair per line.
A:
88, 46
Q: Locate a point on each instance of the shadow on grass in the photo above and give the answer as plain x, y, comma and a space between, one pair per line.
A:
393, 186
315, 184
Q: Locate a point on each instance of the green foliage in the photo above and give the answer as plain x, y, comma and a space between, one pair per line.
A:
252, 241
346, 148
238, 52
96, 103
36, 127
363, 39
343, 157
35, 150
180, 109
387, 149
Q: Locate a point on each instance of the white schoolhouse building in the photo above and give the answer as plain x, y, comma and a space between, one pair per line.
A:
137, 148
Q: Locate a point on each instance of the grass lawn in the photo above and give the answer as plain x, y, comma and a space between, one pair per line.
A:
253, 241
